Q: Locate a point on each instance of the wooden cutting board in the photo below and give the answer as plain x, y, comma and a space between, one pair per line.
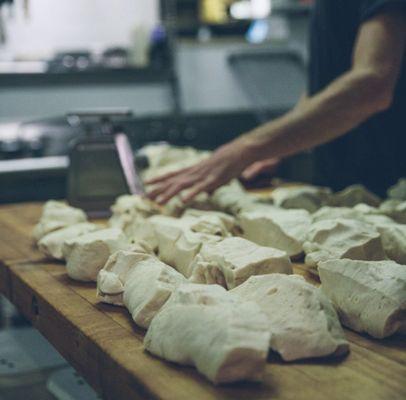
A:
103, 343
16, 224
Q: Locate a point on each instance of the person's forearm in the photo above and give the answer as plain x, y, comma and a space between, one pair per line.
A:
302, 100
346, 103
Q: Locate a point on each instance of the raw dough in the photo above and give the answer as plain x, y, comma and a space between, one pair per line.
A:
130, 214
360, 212
306, 197
128, 207
232, 261
164, 158
87, 254
337, 213
52, 243
112, 277
147, 287
57, 215
353, 195
301, 319
396, 209
228, 221
141, 247
139, 229
233, 199
210, 225
134, 204
393, 235
176, 206
344, 238
370, 296
274, 227
161, 154
178, 245
205, 326
139, 281
398, 191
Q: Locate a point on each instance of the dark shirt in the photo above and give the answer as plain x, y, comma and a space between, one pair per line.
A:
375, 152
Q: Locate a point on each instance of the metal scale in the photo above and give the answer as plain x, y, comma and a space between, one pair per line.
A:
101, 162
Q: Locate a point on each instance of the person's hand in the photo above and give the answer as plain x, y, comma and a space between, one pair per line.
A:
268, 166
224, 164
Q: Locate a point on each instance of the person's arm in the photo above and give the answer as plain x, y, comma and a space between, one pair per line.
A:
366, 89
268, 165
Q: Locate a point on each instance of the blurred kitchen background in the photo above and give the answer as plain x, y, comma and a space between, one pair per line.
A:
187, 72
192, 72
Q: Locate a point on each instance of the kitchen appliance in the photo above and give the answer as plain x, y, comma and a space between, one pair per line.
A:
101, 162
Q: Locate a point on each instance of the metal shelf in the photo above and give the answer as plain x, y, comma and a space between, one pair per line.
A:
91, 77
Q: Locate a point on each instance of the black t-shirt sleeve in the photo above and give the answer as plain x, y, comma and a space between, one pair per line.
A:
369, 8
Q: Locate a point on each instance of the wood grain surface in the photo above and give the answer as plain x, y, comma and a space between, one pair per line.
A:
105, 346
16, 224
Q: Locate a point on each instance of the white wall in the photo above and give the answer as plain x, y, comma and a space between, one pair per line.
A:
72, 24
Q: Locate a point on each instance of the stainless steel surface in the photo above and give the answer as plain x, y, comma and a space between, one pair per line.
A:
101, 161
45, 165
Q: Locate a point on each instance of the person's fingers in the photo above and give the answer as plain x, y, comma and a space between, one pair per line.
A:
254, 170
208, 185
157, 190
258, 167
165, 177
251, 171
170, 187
173, 190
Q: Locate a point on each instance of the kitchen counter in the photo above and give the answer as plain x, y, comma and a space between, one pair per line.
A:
105, 346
